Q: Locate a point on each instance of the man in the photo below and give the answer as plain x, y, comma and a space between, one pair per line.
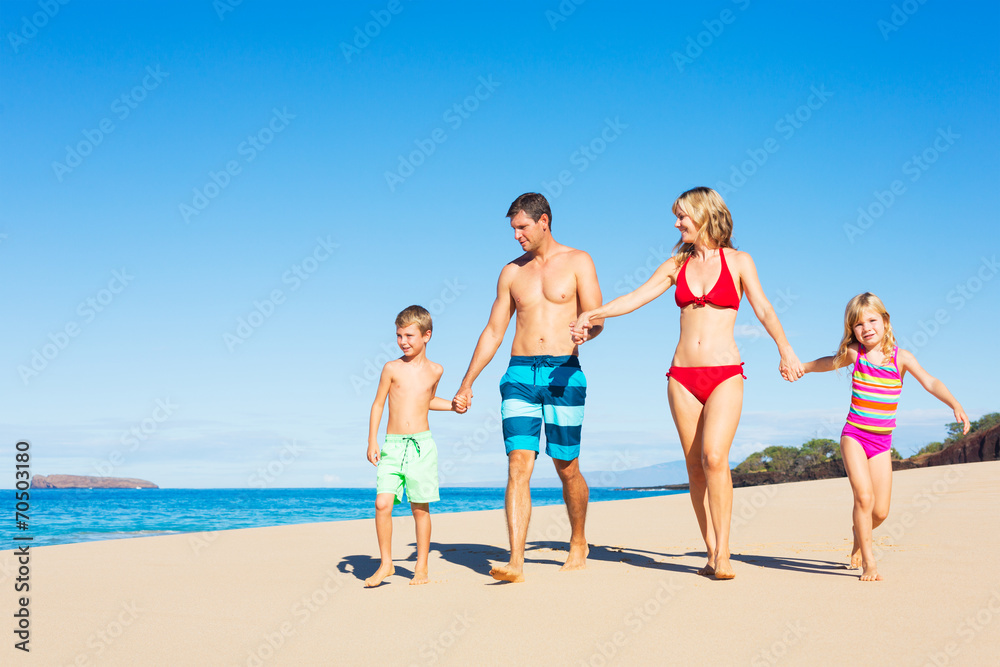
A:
548, 287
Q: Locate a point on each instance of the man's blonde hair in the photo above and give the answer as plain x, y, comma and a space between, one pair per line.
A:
710, 213
415, 315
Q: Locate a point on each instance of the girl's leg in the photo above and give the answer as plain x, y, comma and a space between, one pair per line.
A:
383, 528
856, 464
687, 413
721, 417
880, 469
422, 519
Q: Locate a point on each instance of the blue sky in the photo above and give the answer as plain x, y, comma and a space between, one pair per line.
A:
171, 170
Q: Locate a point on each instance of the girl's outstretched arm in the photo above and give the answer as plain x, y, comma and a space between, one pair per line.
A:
936, 388
826, 364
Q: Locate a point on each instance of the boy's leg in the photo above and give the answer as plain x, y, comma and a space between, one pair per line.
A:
856, 464
383, 529
422, 519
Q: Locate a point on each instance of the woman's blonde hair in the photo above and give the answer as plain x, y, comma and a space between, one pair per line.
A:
856, 308
709, 212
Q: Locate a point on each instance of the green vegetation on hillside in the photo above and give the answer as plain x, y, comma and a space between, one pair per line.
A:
820, 450
985, 422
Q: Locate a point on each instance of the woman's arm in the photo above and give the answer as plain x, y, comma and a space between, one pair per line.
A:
658, 283
936, 388
789, 366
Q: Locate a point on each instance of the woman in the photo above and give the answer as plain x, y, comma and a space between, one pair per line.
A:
705, 390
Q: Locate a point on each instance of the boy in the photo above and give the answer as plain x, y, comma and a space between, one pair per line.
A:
409, 456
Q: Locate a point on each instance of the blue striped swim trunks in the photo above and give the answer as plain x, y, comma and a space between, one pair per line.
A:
543, 388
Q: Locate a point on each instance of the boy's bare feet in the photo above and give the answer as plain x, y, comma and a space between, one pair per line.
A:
419, 577
871, 574
577, 559
381, 573
723, 570
507, 573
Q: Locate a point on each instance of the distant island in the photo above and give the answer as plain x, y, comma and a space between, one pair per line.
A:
84, 482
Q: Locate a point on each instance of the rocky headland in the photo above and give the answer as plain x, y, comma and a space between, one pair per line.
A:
85, 482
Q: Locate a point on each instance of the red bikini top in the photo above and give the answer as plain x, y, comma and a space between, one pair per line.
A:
723, 294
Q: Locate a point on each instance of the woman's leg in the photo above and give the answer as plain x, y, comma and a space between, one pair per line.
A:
687, 412
859, 474
721, 417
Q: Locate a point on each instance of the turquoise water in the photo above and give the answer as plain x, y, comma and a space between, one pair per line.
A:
64, 516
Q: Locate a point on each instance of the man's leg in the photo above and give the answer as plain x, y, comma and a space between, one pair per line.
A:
576, 494
520, 463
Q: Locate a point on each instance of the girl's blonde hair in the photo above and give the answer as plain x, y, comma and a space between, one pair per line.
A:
709, 212
856, 308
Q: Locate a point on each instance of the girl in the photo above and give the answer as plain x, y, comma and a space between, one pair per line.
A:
879, 367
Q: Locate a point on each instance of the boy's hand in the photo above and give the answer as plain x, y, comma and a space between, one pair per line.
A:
463, 400
374, 453
960, 417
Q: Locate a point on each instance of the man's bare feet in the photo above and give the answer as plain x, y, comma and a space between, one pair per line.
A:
723, 570
871, 574
577, 558
419, 577
381, 573
507, 573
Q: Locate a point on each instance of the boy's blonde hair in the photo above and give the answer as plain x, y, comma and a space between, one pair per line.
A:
415, 315
710, 213
855, 310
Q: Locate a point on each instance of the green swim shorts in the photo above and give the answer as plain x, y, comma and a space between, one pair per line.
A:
410, 461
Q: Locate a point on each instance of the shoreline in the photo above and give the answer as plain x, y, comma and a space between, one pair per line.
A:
291, 595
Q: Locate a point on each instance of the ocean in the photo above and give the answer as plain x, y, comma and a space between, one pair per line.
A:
65, 516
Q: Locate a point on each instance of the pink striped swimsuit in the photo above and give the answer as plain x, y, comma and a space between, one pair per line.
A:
875, 394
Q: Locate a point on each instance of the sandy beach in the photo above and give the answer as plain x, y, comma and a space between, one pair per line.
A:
294, 595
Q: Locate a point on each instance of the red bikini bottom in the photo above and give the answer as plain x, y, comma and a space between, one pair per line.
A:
702, 380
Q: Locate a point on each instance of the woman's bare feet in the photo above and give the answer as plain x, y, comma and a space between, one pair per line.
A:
709, 569
507, 573
419, 577
723, 570
381, 573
